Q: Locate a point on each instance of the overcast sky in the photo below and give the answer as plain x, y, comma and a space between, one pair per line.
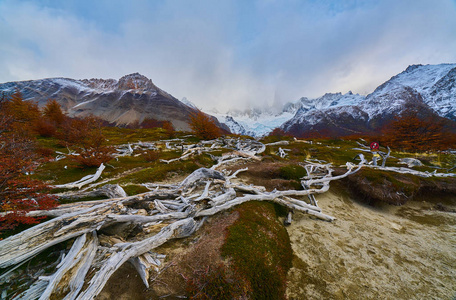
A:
227, 54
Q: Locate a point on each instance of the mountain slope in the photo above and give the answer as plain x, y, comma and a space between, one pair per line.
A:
431, 89
131, 98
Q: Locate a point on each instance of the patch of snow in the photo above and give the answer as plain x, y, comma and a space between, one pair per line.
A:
189, 103
259, 126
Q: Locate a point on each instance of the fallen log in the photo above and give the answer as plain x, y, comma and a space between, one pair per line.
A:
167, 212
83, 181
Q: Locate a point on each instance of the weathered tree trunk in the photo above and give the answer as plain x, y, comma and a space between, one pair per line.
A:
167, 212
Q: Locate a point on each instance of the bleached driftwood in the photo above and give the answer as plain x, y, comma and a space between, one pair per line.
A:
165, 213
83, 181
282, 152
279, 143
107, 190
404, 170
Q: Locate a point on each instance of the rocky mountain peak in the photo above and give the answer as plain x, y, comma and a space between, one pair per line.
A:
412, 67
135, 81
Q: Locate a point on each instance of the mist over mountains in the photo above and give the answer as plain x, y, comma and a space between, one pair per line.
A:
429, 88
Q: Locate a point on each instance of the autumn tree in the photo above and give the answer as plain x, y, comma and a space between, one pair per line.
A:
18, 193
169, 129
51, 121
53, 113
411, 132
203, 126
86, 134
24, 113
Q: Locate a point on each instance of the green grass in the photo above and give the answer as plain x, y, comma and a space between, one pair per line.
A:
134, 189
117, 136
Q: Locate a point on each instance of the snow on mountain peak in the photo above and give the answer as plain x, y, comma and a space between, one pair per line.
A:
189, 103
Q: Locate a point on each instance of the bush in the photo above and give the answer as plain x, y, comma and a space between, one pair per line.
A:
18, 193
412, 132
151, 155
87, 136
44, 152
204, 127
292, 172
53, 113
45, 128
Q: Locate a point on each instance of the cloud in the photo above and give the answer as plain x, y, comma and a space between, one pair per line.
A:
227, 53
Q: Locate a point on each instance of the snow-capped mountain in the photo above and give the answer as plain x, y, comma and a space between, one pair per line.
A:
256, 122
253, 123
259, 122
132, 98
430, 88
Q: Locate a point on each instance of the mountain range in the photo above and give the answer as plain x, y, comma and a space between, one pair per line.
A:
132, 98
429, 88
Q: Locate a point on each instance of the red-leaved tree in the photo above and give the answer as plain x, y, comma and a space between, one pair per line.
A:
18, 193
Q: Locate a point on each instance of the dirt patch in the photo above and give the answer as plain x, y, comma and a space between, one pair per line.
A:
373, 253
125, 284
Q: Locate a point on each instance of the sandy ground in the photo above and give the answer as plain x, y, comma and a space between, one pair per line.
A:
406, 252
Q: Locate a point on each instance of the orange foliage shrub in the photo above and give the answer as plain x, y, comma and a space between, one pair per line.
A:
24, 113
45, 128
53, 113
87, 136
151, 155
203, 126
18, 193
412, 133
169, 129
151, 123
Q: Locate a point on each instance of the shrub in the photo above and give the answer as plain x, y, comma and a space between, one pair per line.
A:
204, 127
18, 193
411, 132
24, 113
44, 152
292, 172
87, 136
169, 129
45, 128
151, 155
53, 113
210, 283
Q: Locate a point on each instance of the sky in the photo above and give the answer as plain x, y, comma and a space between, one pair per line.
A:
227, 54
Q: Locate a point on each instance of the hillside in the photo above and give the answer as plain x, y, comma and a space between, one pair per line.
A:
428, 89
130, 99
431, 89
244, 247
